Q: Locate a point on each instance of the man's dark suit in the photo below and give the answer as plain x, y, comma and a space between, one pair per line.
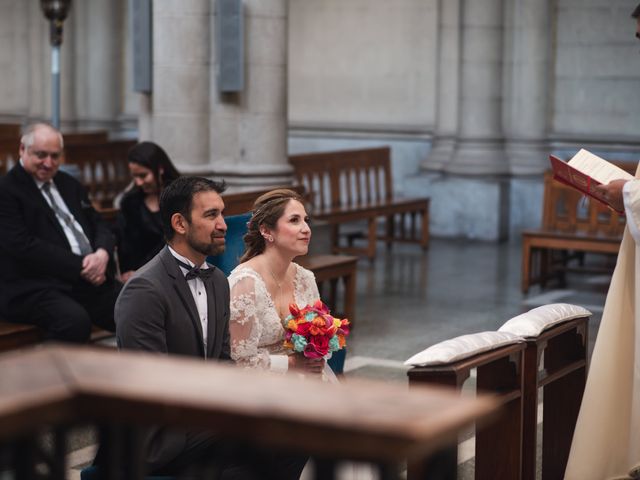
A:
36, 258
156, 312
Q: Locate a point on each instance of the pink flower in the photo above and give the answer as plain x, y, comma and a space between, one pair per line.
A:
317, 347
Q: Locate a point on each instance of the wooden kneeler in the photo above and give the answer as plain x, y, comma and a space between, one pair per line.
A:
555, 361
498, 445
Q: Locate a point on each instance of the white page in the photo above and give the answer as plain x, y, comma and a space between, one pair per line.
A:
598, 168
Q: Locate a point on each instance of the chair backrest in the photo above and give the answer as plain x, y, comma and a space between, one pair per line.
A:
567, 210
236, 229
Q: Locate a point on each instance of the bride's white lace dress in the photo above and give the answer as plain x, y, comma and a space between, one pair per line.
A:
257, 333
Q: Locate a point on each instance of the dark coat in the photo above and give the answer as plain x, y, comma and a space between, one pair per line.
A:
34, 251
156, 312
140, 235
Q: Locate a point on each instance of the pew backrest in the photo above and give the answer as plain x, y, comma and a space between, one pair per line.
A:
102, 167
237, 203
349, 178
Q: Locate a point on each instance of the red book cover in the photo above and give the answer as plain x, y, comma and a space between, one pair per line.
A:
565, 173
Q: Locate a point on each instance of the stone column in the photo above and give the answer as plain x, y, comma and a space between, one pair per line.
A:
14, 55
480, 147
248, 130
39, 69
98, 37
178, 111
526, 111
447, 86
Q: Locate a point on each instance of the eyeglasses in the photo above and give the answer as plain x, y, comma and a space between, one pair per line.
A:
43, 154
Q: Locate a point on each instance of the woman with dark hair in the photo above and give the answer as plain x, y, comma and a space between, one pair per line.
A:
267, 281
139, 224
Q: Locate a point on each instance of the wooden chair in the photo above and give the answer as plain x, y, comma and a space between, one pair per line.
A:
570, 223
356, 185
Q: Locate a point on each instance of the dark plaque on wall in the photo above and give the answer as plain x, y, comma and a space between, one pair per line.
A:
142, 35
229, 38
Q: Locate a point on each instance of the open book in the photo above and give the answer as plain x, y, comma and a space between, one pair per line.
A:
586, 170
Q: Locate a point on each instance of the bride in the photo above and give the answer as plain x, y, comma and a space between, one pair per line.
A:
267, 281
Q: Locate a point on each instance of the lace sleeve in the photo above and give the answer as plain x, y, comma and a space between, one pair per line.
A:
244, 325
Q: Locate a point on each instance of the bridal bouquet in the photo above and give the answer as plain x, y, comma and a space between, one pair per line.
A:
313, 331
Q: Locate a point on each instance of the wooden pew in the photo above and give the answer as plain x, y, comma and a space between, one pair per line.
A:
59, 387
10, 131
570, 223
499, 446
237, 203
103, 168
356, 185
19, 335
10, 144
8, 154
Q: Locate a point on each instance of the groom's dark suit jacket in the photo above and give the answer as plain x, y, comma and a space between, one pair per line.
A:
34, 251
156, 312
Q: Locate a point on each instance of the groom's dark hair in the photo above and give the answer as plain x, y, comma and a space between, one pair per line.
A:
177, 197
636, 12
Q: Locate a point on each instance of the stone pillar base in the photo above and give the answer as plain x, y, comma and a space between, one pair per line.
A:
478, 157
528, 157
440, 154
252, 177
465, 207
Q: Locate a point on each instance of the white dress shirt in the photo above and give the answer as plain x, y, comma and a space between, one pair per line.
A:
199, 293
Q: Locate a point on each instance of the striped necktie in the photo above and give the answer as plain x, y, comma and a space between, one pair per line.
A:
81, 238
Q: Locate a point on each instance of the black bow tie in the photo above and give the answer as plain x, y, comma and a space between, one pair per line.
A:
196, 272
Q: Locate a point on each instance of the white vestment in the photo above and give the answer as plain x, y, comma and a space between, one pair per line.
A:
606, 441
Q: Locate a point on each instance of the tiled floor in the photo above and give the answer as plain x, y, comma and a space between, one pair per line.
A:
408, 300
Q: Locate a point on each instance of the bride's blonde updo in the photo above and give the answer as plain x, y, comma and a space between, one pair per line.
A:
267, 210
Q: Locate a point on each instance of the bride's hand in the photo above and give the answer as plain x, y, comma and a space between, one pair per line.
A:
310, 366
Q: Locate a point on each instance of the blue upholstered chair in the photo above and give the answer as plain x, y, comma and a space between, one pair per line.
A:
236, 228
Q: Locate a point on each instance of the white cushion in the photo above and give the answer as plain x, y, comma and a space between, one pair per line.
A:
535, 321
462, 347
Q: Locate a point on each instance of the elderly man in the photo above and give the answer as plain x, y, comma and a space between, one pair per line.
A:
55, 249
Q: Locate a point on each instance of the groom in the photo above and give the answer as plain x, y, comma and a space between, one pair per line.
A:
178, 304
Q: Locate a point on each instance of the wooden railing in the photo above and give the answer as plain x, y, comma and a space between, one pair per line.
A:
58, 387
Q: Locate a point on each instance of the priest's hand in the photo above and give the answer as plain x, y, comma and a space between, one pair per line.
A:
612, 193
